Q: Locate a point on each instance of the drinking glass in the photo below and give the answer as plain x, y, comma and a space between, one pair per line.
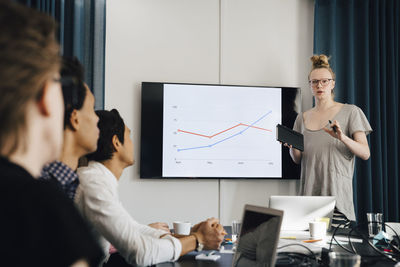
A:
375, 221
236, 224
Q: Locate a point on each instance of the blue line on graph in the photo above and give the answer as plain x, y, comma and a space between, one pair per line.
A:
229, 137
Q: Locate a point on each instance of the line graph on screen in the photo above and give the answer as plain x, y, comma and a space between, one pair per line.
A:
247, 126
220, 133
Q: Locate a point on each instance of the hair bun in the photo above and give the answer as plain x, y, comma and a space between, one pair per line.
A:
320, 61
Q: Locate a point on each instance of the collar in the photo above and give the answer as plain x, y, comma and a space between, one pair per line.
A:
60, 171
107, 173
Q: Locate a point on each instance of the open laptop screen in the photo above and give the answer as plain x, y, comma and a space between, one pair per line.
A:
259, 237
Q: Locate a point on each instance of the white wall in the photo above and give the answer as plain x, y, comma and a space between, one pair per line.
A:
258, 42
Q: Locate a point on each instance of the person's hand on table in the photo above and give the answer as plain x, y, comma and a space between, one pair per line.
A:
210, 233
220, 228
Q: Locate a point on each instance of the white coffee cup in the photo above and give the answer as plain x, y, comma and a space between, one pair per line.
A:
182, 228
317, 230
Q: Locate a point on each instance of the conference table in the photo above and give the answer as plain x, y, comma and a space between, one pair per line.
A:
369, 257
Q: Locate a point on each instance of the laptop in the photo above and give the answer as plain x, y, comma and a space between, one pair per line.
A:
259, 237
300, 210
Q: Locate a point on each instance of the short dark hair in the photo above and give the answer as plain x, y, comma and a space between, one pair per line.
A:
73, 87
29, 56
110, 124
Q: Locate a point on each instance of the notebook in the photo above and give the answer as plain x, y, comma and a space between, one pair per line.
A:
300, 210
259, 237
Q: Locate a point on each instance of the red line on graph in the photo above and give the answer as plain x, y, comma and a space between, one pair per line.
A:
182, 131
211, 136
225, 130
258, 128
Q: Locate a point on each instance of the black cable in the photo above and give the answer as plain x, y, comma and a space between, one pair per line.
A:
344, 248
373, 247
350, 242
366, 238
301, 245
394, 247
345, 223
295, 259
333, 234
359, 235
353, 249
398, 238
393, 231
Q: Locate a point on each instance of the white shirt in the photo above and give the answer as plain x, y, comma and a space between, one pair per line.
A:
97, 199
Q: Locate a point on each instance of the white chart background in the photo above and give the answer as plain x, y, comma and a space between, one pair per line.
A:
221, 131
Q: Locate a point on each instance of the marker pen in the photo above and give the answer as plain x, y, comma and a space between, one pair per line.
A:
312, 240
334, 127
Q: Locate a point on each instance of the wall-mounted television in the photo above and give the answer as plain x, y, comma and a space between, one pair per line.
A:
216, 131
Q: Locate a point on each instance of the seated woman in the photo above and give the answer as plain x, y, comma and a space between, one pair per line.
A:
97, 199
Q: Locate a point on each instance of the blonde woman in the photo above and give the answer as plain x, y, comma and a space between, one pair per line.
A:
334, 134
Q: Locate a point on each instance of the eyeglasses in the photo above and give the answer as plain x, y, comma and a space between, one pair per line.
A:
324, 82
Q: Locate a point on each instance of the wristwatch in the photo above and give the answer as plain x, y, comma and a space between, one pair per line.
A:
199, 245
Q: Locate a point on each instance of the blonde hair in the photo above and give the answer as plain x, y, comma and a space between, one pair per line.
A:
321, 62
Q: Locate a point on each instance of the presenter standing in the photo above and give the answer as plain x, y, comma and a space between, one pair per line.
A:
334, 133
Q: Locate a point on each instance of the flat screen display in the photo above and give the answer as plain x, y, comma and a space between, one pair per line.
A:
216, 131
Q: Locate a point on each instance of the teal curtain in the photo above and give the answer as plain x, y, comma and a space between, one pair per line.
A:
81, 34
362, 38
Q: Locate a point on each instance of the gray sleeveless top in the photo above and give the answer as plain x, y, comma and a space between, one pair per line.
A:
327, 165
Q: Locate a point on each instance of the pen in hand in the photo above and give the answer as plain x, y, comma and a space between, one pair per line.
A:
333, 127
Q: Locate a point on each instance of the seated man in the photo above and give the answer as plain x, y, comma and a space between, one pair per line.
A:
97, 199
39, 225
